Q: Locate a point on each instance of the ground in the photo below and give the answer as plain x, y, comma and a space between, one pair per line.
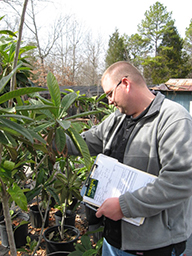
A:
80, 223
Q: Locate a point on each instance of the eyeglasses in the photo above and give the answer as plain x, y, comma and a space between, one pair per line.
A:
110, 93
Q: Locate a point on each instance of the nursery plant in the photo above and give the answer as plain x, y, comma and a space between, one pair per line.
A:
13, 156
67, 186
85, 247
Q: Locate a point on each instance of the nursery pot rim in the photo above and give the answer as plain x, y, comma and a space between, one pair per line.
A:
64, 242
58, 252
69, 213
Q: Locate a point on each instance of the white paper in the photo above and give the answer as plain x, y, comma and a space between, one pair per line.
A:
114, 179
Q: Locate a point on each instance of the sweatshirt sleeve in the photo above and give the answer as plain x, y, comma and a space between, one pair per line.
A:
174, 183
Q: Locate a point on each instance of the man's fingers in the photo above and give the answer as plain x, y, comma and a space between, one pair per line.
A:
99, 213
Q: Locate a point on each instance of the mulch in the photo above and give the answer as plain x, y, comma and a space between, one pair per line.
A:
80, 223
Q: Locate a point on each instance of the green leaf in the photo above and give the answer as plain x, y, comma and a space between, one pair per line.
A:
37, 136
33, 107
53, 194
3, 139
19, 92
41, 127
18, 117
40, 178
86, 242
18, 197
7, 32
5, 174
8, 110
83, 114
6, 79
81, 146
75, 253
90, 252
67, 101
80, 248
11, 140
60, 139
65, 124
54, 90
33, 193
17, 127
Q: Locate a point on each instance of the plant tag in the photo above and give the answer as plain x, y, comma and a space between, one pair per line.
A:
91, 188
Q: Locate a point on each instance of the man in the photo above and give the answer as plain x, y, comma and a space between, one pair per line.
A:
153, 134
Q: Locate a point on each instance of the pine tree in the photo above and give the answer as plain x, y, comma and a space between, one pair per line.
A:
116, 49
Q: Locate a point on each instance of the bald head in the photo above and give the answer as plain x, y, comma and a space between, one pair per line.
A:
121, 69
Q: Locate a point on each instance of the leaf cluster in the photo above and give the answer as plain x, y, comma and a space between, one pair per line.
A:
85, 248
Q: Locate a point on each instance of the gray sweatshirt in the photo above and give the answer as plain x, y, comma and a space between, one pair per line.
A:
160, 144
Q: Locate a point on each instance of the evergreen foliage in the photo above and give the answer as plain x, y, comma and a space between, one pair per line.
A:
116, 50
156, 49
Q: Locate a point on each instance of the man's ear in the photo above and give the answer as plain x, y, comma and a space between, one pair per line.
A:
126, 83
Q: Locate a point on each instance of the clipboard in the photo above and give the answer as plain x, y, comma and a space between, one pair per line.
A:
110, 178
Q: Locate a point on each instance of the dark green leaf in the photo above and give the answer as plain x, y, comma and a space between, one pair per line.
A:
3, 139
60, 139
17, 127
81, 146
86, 242
83, 114
54, 89
40, 177
67, 101
90, 252
19, 92
33, 193
6, 79
75, 253
33, 107
65, 124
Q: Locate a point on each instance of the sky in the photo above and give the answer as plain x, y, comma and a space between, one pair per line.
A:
104, 16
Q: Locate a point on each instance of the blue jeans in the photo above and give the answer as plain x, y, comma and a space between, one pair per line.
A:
109, 250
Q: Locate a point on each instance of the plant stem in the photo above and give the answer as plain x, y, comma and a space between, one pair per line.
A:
13, 79
8, 222
63, 219
43, 225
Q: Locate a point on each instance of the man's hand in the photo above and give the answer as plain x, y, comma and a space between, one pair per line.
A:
110, 209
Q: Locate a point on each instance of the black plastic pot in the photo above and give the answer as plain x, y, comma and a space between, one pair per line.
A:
94, 223
67, 246
91, 217
20, 233
69, 220
74, 204
35, 217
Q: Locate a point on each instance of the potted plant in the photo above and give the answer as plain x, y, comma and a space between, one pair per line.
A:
41, 191
13, 155
20, 136
67, 186
85, 246
19, 225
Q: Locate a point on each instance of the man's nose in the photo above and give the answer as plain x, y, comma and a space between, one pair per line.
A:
110, 100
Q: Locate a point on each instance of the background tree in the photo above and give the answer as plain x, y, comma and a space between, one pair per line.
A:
91, 67
116, 49
153, 26
135, 46
170, 62
188, 45
66, 49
